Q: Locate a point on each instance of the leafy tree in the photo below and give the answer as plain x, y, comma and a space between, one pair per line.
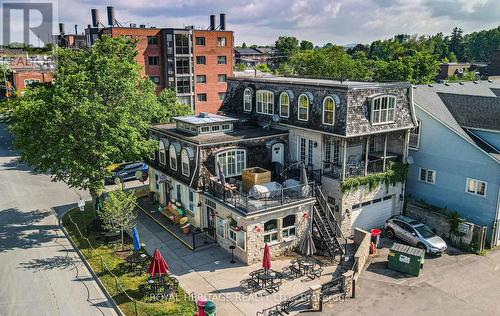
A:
452, 58
244, 45
240, 67
328, 45
118, 211
168, 101
358, 48
284, 69
263, 68
284, 48
457, 43
478, 46
306, 45
96, 113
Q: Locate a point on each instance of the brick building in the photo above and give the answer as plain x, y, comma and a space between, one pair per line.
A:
26, 70
195, 62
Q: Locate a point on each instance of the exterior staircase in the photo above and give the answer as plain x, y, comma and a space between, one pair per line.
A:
327, 226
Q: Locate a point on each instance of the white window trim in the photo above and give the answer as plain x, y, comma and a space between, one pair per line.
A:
223, 227
272, 232
333, 111
162, 148
229, 230
184, 155
288, 228
244, 236
244, 103
236, 150
261, 92
171, 150
476, 182
419, 122
380, 111
288, 105
298, 108
426, 171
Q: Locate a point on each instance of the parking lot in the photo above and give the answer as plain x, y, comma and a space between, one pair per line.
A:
455, 283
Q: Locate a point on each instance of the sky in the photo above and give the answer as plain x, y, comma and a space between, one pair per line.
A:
320, 21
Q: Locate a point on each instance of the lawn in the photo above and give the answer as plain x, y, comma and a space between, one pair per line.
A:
112, 257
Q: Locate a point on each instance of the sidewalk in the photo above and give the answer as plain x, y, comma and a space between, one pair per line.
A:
209, 272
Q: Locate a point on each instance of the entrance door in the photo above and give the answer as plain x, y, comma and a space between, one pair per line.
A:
278, 153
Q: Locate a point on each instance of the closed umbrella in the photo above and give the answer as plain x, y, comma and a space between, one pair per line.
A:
307, 247
303, 174
135, 239
158, 265
221, 174
266, 261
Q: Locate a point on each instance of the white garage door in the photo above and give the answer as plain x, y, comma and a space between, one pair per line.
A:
372, 215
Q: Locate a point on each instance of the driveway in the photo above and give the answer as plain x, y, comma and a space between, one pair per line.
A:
453, 284
40, 272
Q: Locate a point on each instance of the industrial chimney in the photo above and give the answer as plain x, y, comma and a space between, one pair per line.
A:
222, 22
76, 29
61, 28
111, 15
95, 17
212, 22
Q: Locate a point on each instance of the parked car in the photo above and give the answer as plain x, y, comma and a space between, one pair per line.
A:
126, 171
414, 233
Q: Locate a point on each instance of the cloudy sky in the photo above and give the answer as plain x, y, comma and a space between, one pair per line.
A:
321, 21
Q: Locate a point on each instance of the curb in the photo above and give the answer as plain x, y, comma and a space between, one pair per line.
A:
84, 260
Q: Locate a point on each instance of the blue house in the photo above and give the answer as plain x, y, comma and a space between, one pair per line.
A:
455, 152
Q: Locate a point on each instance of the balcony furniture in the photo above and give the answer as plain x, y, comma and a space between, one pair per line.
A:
314, 273
253, 176
270, 280
266, 190
170, 211
250, 285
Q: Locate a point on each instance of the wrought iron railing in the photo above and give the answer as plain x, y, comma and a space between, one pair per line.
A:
286, 306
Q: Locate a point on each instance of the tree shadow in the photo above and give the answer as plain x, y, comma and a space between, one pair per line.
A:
57, 262
21, 230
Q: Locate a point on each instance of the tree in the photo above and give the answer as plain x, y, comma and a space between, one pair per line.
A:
284, 48
118, 211
240, 67
244, 45
97, 112
171, 106
457, 43
263, 68
284, 69
478, 46
306, 45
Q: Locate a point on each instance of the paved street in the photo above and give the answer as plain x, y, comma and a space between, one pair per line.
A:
39, 271
454, 284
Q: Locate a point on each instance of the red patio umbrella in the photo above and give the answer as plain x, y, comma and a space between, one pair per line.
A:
158, 265
266, 261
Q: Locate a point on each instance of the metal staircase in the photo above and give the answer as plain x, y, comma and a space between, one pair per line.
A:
327, 226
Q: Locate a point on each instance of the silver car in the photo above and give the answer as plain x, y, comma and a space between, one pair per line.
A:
414, 233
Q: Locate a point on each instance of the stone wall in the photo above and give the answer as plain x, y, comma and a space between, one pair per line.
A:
362, 240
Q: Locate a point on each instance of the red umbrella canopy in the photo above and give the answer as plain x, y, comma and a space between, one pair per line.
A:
158, 265
266, 261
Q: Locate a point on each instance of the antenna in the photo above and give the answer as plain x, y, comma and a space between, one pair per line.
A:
275, 118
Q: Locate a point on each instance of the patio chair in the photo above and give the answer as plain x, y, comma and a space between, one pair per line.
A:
250, 285
314, 273
274, 286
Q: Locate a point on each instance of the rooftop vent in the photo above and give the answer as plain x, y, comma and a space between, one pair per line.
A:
430, 85
475, 81
446, 84
460, 83
142, 26
203, 114
490, 81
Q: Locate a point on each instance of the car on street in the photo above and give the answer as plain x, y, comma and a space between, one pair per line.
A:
414, 233
126, 171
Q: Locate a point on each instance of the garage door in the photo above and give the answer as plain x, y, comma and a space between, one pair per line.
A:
372, 215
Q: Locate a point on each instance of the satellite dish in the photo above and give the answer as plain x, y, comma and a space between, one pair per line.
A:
276, 118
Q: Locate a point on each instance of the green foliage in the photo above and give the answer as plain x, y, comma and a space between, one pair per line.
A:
395, 172
419, 68
240, 67
118, 211
466, 76
478, 46
454, 220
167, 100
284, 48
284, 69
306, 45
456, 44
96, 113
263, 68
244, 45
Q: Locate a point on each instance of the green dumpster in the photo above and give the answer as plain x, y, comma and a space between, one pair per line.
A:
406, 259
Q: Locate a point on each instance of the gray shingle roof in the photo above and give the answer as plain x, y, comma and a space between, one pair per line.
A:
247, 51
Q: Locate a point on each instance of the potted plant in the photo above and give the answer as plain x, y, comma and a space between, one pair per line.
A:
185, 225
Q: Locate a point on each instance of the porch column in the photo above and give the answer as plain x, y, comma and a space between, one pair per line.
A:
366, 153
344, 158
406, 144
385, 150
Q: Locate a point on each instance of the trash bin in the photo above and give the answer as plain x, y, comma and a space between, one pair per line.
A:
406, 259
209, 308
376, 236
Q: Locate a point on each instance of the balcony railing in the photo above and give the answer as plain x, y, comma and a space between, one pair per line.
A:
355, 169
258, 202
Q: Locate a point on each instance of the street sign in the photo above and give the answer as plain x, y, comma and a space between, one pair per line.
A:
163, 178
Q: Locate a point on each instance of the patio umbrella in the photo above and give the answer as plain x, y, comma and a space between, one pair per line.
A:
266, 261
303, 174
307, 247
158, 265
135, 239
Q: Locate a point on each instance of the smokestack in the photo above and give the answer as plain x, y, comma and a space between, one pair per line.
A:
111, 15
212, 22
76, 29
61, 28
95, 17
222, 21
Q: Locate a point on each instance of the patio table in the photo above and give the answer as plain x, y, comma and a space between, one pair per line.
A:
305, 264
268, 280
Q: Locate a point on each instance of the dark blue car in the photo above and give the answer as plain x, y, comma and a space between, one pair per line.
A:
128, 171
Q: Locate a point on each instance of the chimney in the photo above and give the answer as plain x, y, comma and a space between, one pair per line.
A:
111, 15
61, 28
142, 26
222, 22
133, 25
95, 17
76, 29
212, 22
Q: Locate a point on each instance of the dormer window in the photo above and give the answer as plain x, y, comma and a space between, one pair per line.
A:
328, 111
382, 110
185, 163
265, 102
247, 100
284, 104
173, 157
303, 112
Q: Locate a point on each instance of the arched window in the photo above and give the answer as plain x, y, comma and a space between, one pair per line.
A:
271, 231
232, 162
162, 155
383, 109
185, 163
173, 157
265, 102
247, 100
284, 104
328, 111
288, 226
303, 113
